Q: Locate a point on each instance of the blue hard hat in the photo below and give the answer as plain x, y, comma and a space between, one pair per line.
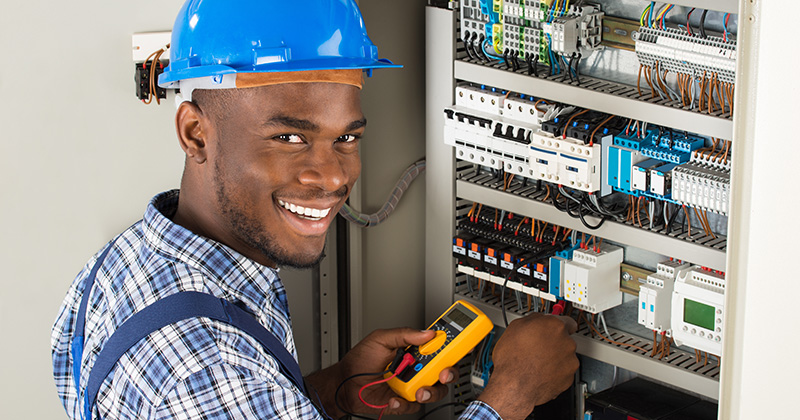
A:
214, 38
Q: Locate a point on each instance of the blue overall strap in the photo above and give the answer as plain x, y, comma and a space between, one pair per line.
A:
174, 308
80, 320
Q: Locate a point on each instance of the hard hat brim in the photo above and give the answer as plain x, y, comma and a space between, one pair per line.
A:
171, 78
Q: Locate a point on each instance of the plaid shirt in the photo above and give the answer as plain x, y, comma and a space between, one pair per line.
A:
196, 368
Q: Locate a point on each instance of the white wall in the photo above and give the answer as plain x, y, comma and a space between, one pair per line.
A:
80, 157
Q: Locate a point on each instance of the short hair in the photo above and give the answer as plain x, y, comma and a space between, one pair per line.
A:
216, 103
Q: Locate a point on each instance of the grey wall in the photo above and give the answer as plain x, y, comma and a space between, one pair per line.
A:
394, 102
80, 157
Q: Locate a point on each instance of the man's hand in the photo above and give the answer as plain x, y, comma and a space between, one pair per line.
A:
372, 355
534, 361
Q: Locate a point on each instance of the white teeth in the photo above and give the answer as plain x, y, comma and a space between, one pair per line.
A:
306, 212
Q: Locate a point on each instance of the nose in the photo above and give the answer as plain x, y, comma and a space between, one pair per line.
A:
328, 170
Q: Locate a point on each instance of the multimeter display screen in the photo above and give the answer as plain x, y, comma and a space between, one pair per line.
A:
698, 314
458, 318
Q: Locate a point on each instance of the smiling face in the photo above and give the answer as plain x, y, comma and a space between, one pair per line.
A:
269, 167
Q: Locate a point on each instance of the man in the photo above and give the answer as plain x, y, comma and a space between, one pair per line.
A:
270, 123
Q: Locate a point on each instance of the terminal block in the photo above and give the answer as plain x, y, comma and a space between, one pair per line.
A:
143, 80
702, 186
591, 279
678, 52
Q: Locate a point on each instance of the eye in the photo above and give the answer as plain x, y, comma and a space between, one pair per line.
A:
289, 138
348, 138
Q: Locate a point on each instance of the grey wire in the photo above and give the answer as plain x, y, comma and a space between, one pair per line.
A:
605, 327
370, 220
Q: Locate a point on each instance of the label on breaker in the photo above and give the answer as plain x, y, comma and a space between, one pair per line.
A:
507, 265
475, 255
540, 276
490, 260
524, 271
459, 250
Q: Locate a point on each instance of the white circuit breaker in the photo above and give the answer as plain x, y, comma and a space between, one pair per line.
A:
591, 278
655, 296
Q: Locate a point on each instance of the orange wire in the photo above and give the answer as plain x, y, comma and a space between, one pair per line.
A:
639, 80
591, 137
610, 340
688, 220
570, 120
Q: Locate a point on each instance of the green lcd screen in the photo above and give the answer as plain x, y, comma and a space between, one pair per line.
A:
698, 314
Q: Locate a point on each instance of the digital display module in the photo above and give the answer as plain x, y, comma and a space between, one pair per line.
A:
698, 314
458, 318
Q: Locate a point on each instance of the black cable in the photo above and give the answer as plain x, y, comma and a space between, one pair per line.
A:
569, 70
530, 260
703, 24
577, 73
467, 35
441, 407
336, 394
688, 24
505, 59
535, 65
672, 220
529, 60
585, 223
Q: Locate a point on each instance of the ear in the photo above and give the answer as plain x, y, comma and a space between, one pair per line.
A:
192, 127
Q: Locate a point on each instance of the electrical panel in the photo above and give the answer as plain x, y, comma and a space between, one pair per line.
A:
581, 156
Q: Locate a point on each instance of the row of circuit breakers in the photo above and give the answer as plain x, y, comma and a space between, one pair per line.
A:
523, 136
679, 299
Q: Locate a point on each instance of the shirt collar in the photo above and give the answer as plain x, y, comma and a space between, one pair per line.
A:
238, 277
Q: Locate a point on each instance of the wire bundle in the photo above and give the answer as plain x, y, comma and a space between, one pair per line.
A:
156, 61
402, 185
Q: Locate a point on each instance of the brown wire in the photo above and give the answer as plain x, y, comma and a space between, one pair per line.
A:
572, 118
591, 137
647, 78
639, 80
594, 330
688, 220
655, 343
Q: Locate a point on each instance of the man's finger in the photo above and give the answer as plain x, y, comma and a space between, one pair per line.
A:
429, 394
448, 375
399, 337
572, 326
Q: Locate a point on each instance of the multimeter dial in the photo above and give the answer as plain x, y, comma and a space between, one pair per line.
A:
426, 352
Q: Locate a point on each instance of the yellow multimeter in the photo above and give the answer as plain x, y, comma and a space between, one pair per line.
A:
458, 331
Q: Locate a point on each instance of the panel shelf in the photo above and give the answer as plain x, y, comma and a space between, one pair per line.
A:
674, 246
677, 369
597, 94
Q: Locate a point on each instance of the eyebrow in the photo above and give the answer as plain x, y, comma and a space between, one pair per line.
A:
306, 125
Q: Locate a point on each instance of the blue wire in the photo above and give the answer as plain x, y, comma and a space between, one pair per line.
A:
725, 24
489, 54
571, 70
650, 14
